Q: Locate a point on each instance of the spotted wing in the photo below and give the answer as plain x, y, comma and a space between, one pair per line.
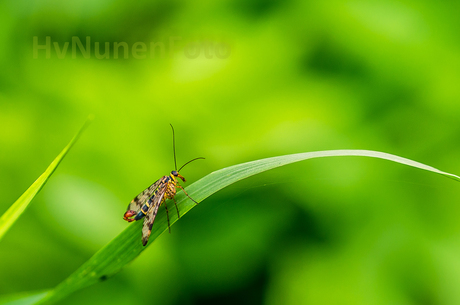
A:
139, 200
152, 213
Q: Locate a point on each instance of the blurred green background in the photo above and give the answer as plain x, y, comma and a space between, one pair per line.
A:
242, 80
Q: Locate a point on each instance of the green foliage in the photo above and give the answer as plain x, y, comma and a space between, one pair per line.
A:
300, 76
23, 298
127, 245
16, 210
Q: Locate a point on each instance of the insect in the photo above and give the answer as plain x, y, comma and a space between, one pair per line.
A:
146, 204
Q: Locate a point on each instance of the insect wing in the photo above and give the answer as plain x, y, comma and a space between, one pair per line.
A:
151, 214
139, 200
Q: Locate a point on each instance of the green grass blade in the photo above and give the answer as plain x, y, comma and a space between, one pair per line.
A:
22, 299
13, 213
127, 245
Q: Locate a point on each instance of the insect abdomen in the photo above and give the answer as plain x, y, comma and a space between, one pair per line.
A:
143, 211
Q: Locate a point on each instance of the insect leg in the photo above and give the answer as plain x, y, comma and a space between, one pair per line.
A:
186, 193
167, 216
175, 203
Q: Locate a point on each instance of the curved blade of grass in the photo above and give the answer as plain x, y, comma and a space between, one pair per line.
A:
127, 245
13, 213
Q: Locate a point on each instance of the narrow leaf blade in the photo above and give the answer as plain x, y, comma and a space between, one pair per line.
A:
13, 213
23, 298
127, 245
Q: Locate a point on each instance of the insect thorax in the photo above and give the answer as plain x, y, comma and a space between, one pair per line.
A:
171, 189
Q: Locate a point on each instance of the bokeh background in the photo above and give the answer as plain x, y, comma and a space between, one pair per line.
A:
241, 80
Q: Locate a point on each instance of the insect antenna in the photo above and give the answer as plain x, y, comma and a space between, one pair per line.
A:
174, 147
189, 162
